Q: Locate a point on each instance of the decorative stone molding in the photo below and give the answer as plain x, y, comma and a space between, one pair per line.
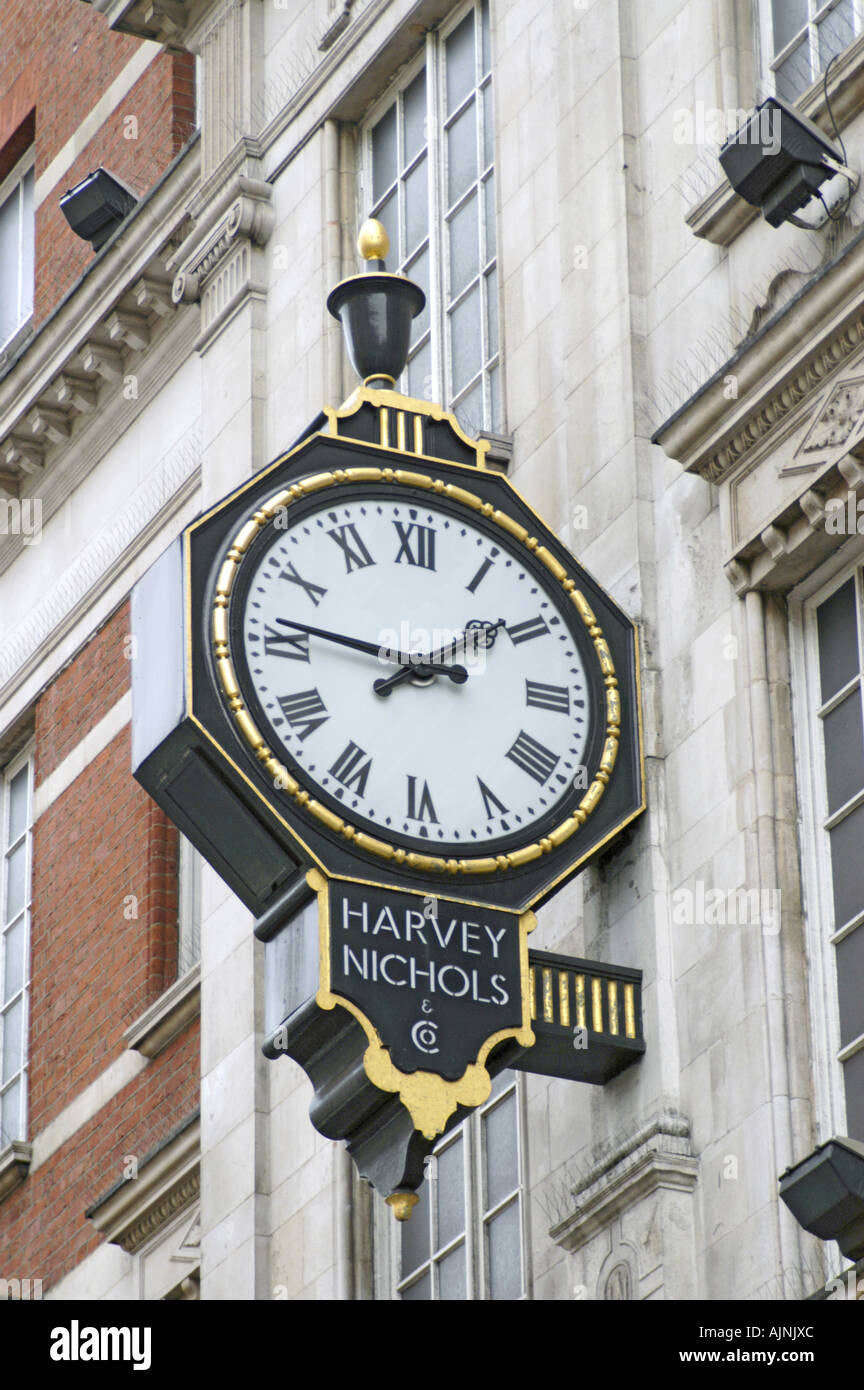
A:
167, 1181
784, 452
657, 1155
216, 264
162, 21
161, 1023
14, 1166
80, 584
79, 359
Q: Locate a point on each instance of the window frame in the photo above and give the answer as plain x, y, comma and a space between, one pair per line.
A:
14, 181
817, 12
431, 59
477, 1216
7, 774
815, 848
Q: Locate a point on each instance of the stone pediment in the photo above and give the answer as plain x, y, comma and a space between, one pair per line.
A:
786, 447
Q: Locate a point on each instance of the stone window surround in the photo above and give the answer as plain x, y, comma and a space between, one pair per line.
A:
167, 1182
827, 1055
12, 184
22, 761
765, 34
721, 216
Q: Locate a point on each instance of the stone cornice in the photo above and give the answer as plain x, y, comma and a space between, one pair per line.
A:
657, 1155
81, 355
242, 209
790, 358
164, 1185
14, 1166
162, 21
161, 1023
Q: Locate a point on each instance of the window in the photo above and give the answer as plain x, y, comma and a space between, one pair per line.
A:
429, 178
465, 1237
16, 825
803, 36
831, 642
17, 242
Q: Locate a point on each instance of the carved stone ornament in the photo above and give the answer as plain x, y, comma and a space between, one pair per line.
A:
249, 216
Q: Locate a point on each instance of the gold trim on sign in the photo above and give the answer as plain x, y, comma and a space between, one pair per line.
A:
548, 1007
597, 1005
629, 1012
278, 504
579, 995
429, 1099
612, 995
563, 999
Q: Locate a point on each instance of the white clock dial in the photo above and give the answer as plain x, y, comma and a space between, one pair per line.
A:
433, 761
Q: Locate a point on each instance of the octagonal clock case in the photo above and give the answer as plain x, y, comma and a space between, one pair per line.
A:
380, 662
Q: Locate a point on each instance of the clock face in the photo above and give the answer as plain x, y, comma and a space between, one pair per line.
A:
487, 749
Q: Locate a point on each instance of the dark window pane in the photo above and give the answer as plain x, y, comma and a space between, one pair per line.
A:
504, 1254
793, 75
836, 32
844, 751
18, 804
838, 639
500, 1148
464, 247
488, 127
451, 1275
847, 866
388, 216
10, 1115
414, 116
469, 411
460, 62
465, 345
416, 207
422, 1288
384, 154
853, 1075
489, 196
415, 1234
420, 374
461, 154
492, 312
850, 985
418, 271
451, 1194
789, 16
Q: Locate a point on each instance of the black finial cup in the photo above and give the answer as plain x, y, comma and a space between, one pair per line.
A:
376, 311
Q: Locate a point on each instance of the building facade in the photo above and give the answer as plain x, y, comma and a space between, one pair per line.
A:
673, 384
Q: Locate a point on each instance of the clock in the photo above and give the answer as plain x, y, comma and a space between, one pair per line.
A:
413, 671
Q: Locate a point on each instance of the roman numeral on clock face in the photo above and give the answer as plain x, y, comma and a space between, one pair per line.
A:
294, 645
313, 590
424, 810
490, 800
479, 576
348, 539
554, 697
532, 757
523, 632
301, 711
418, 544
350, 770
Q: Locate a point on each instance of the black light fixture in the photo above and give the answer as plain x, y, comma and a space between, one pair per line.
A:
825, 1194
778, 160
96, 206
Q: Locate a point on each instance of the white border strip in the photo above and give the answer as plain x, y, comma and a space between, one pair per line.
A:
91, 745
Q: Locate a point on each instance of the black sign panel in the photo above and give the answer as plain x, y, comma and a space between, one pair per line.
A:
436, 977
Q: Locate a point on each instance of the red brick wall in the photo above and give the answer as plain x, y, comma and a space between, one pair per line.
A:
43, 1230
83, 693
104, 915
57, 57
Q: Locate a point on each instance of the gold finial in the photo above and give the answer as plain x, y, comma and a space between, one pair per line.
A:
373, 242
402, 1203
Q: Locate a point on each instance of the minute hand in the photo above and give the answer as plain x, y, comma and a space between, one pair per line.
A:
371, 649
